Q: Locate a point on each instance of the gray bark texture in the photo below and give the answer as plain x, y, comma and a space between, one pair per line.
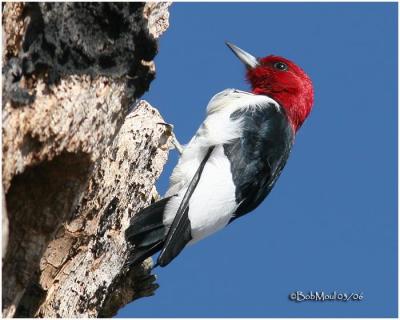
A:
80, 154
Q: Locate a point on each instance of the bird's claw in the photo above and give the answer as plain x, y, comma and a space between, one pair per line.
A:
170, 132
154, 195
168, 125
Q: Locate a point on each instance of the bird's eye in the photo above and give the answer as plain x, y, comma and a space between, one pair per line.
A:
280, 66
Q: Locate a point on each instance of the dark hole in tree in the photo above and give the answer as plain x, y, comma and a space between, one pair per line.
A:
38, 201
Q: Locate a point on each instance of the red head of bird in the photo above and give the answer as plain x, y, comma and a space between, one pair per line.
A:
282, 80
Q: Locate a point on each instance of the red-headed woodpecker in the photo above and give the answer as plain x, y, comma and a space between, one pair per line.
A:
233, 161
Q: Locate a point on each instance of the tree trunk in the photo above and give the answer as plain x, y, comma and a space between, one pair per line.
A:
80, 153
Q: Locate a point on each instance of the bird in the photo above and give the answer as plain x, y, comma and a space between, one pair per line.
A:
232, 162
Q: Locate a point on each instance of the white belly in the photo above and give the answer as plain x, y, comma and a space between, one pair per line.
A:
213, 201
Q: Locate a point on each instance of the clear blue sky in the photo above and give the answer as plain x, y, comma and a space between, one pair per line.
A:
331, 221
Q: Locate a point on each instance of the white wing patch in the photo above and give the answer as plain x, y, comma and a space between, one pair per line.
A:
213, 201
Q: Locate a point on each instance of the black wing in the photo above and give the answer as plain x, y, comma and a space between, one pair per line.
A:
258, 157
179, 233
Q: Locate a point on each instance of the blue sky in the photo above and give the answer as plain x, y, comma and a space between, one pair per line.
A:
331, 221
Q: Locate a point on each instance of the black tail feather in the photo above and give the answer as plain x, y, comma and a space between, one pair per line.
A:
147, 232
140, 254
148, 219
150, 237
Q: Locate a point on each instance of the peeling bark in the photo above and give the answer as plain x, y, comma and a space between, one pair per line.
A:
78, 162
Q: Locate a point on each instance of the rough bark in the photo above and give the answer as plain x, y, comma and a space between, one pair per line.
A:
79, 156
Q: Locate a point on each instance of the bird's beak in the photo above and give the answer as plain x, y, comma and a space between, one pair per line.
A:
248, 60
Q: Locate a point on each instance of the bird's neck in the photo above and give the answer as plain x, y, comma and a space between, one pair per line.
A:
297, 107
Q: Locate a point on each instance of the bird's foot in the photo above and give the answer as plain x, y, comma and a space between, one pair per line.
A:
154, 195
170, 132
